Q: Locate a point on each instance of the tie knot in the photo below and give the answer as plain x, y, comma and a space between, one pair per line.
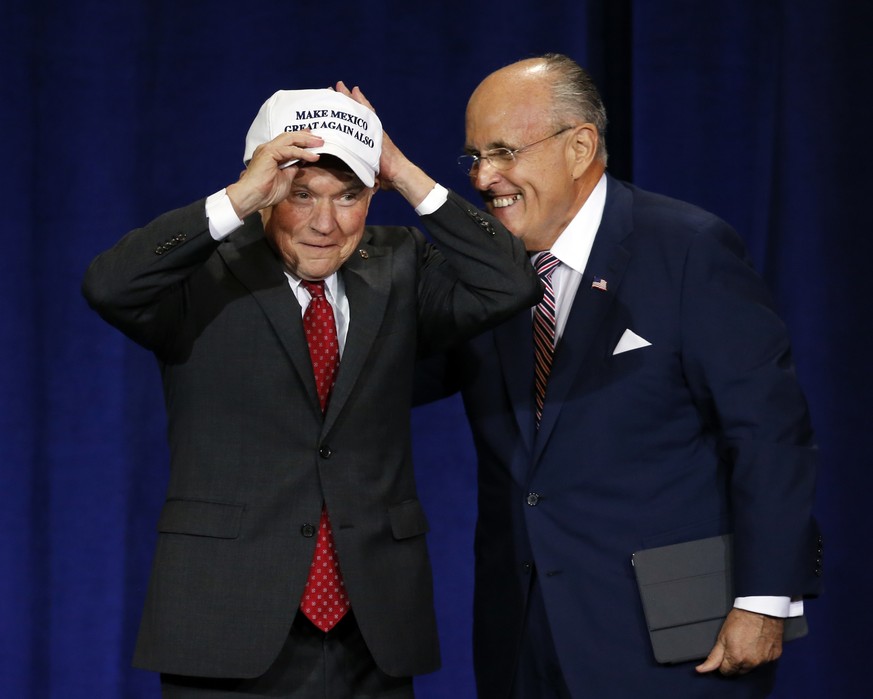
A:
315, 289
545, 264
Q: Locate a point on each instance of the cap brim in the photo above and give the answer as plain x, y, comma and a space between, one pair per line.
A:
363, 171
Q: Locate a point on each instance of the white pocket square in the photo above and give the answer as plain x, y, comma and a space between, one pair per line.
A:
630, 341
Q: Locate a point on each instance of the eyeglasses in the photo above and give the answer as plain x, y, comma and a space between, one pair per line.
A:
501, 159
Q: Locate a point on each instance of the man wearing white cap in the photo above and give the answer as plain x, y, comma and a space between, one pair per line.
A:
291, 558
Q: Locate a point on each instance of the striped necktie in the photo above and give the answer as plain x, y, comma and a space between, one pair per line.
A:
544, 331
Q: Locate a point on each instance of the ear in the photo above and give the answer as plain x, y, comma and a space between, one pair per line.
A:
372, 191
265, 216
584, 148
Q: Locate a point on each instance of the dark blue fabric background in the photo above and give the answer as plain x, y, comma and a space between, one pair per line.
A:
112, 112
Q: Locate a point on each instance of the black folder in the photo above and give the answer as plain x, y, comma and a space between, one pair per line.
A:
687, 591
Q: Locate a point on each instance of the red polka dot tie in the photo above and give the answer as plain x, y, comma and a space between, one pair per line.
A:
320, 328
324, 601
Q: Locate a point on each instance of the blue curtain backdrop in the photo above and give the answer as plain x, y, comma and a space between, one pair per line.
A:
113, 112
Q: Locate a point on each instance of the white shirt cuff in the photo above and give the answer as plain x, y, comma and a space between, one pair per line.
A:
222, 218
771, 606
433, 201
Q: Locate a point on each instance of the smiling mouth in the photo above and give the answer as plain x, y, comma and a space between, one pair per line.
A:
503, 202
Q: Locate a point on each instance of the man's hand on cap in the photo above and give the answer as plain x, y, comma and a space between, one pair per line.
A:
265, 182
396, 171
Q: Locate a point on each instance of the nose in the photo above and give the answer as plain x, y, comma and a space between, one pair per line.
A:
484, 175
323, 219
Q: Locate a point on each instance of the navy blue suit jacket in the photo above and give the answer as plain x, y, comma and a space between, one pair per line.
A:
701, 432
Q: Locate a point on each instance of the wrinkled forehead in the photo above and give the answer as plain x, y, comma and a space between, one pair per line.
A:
500, 117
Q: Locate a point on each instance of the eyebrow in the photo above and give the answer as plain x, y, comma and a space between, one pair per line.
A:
354, 187
494, 145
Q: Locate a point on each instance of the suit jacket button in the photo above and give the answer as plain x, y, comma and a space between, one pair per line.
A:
325, 452
307, 530
527, 566
532, 499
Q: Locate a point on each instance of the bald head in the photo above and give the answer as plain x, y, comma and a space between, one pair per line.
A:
569, 93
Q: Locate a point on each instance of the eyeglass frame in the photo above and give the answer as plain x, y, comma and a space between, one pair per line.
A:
510, 154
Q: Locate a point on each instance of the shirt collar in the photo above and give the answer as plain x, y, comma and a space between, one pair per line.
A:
331, 285
573, 246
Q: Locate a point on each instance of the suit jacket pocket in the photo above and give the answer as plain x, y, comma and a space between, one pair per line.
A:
407, 519
220, 520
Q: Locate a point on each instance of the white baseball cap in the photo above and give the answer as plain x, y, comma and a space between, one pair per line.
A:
350, 131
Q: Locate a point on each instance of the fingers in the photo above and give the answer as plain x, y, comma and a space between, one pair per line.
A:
358, 96
719, 659
286, 147
395, 170
746, 640
713, 660
355, 93
270, 173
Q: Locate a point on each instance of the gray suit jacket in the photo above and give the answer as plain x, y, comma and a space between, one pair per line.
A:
252, 457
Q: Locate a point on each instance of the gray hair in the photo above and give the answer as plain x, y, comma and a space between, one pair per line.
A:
576, 96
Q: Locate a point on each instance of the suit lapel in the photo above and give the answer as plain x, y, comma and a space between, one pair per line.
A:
252, 261
608, 260
367, 278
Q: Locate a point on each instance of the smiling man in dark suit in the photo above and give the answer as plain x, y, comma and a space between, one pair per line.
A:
649, 400
291, 558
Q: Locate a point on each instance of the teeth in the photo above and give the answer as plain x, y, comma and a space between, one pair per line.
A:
500, 202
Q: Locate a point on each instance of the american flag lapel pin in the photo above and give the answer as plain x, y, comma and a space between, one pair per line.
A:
599, 283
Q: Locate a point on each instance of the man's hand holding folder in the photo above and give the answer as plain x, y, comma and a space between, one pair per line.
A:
745, 641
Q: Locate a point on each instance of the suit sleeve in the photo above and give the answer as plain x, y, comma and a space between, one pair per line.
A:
478, 276
738, 362
137, 285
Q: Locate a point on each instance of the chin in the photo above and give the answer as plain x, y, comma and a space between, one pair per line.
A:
513, 222
502, 215
315, 272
